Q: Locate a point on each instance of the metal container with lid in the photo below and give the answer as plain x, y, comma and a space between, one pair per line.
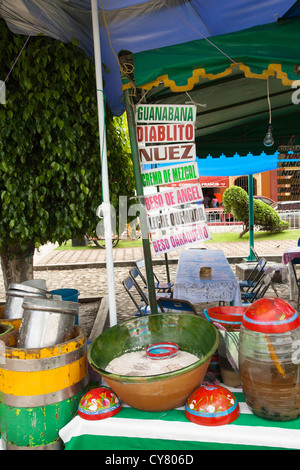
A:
15, 296
46, 322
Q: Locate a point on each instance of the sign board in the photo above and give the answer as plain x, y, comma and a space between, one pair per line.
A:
173, 197
170, 174
176, 218
163, 133
180, 239
165, 113
185, 152
288, 176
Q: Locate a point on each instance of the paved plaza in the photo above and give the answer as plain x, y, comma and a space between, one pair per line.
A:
85, 269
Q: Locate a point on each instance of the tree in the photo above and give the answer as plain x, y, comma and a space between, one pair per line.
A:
236, 200
50, 171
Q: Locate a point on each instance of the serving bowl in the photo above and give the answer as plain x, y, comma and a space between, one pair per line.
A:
164, 391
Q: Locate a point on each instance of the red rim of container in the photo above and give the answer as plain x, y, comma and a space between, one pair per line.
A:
162, 350
227, 316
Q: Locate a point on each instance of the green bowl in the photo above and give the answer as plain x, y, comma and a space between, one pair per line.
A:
158, 392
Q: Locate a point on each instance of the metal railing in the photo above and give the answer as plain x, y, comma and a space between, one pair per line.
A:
219, 221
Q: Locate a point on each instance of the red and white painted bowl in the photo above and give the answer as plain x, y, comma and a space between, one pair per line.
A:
99, 403
212, 405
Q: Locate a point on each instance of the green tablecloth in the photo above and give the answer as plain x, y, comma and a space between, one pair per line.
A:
136, 430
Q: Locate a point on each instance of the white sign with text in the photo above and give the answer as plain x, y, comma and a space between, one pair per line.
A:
180, 239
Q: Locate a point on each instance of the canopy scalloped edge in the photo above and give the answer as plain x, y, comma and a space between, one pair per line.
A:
272, 70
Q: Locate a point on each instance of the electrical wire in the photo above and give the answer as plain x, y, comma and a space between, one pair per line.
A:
269, 102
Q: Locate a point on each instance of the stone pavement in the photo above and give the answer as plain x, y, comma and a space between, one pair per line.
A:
81, 258
85, 269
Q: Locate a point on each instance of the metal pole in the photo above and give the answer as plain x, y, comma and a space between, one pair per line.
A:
251, 256
130, 110
104, 168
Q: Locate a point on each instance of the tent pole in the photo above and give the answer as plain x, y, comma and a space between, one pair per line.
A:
251, 256
104, 168
130, 110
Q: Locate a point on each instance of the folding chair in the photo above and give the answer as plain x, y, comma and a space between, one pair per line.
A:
296, 261
134, 273
254, 253
254, 276
143, 309
160, 286
259, 290
175, 305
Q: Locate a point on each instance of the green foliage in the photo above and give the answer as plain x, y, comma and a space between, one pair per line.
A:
235, 200
50, 170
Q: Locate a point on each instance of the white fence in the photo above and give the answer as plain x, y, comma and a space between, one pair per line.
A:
219, 221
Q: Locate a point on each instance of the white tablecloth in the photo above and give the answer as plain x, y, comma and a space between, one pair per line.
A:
221, 286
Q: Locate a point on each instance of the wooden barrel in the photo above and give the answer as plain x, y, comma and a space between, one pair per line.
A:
40, 390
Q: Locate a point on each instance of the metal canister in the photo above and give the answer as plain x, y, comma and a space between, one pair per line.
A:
15, 297
46, 322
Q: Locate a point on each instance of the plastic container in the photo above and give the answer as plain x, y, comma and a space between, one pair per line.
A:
269, 361
71, 295
228, 316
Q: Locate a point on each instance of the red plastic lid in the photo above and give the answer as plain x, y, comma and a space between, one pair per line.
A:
212, 405
271, 315
99, 403
162, 350
228, 316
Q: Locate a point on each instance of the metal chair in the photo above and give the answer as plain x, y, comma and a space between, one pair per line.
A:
259, 290
175, 305
143, 309
134, 273
296, 261
254, 253
254, 276
160, 286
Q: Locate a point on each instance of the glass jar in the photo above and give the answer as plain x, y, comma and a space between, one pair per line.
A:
269, 366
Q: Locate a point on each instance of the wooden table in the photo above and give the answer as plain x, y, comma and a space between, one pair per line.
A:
288, 256
222, 285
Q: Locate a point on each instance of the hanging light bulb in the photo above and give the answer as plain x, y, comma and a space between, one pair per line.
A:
268, 140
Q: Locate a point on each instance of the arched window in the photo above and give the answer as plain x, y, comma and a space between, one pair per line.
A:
242, 182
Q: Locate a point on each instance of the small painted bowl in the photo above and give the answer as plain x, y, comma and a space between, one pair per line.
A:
162, 350
212, 405
271, 315
99, 403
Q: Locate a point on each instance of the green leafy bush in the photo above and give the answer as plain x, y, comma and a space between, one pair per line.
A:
236, 201
50, 163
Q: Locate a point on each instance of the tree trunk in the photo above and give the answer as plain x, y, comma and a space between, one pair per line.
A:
17, 265
245, 230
